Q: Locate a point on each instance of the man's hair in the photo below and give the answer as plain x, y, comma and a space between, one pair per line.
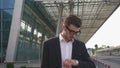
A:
74, 20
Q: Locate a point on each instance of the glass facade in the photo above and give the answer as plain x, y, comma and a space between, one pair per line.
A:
6, 12
30, 38
32, 32
34, 29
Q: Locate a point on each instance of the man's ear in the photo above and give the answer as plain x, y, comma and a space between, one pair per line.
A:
63, 26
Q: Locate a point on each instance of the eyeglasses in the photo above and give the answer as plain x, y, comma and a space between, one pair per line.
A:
72, 31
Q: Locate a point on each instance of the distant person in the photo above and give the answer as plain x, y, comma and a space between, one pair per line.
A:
65, 51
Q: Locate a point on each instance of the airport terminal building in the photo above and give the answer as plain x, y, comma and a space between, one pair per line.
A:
24, 26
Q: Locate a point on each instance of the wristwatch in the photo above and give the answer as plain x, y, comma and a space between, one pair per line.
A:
77, 62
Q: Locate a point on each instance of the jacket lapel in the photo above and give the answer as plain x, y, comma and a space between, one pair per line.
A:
74, 49
58, 51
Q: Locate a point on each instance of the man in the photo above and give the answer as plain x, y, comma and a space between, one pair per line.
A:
65, 51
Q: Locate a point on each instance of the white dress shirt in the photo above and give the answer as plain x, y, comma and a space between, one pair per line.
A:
66, 49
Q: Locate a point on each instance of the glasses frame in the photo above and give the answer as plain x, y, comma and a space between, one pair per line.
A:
72, 31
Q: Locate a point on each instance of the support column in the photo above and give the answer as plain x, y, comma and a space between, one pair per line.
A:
14, 31
60, 9
71, 6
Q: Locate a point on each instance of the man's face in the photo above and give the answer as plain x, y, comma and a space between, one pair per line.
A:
70, 32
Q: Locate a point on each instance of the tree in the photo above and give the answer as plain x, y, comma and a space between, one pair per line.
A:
9, 65
96, 46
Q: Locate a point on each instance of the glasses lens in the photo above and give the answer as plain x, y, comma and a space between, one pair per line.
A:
72, 31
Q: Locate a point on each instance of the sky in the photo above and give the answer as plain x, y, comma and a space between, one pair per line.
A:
109, 33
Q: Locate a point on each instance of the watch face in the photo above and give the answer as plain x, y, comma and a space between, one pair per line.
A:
76, 61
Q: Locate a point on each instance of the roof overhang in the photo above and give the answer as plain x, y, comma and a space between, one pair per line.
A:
93, 13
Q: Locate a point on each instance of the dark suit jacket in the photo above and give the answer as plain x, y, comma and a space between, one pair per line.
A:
52, 54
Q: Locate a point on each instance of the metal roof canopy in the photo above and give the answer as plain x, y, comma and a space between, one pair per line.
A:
93, 13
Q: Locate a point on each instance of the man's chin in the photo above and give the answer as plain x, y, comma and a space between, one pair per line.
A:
70, 38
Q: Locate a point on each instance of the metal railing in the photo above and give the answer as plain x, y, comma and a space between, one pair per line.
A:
100, 64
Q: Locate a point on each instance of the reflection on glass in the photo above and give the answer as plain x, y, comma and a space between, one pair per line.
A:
35, 32
22, 24
8, 3
32, 34
6, 12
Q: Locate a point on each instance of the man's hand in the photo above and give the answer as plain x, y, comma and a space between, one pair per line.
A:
70, 62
